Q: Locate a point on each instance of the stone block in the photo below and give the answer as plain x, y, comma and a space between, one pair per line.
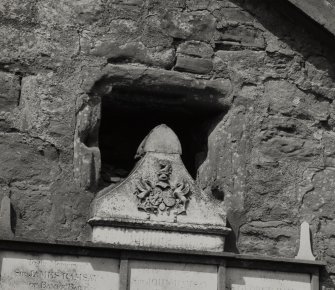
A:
31, 167
28, 48
274, 238
241, 36
197, 4
319, 77
176, 83
19, 12
194, 65
286, 98
196, 25
134, 52
247, 64
9, 91
44, 108
158, 4
237, 16
195, 48
72, 12
27, 159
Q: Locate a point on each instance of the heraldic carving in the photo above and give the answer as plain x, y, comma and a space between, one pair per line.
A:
162, 196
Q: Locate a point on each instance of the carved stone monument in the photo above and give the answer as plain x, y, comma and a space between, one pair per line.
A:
159, 205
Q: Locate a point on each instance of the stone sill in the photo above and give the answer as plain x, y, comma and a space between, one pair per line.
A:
107, 250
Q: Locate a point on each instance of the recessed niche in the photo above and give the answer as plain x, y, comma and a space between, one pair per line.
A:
123, 103
127, 116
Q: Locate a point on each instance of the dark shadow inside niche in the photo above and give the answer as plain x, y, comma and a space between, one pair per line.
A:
128, 116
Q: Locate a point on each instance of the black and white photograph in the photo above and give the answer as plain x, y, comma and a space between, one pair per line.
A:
167, 144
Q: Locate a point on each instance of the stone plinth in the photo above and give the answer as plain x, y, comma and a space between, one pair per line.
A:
159, 205
146, 238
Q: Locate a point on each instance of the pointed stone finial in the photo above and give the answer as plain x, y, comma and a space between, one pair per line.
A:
161, 139
5, 218
305, 249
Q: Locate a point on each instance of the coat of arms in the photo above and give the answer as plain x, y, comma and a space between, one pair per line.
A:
162, 196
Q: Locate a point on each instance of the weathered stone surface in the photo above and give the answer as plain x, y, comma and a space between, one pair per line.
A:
195, 26
86, 158
237, 16
155, 80
9, 91
27, 159
29, 167
272, 237
41, 49
241, 36
287, 99
5, 219
21, 13
319, 77
194, 65
67, 14
10, 86
247, 65
195, 48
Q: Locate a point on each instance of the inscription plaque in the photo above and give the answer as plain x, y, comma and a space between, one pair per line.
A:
171, 276
243, 279
23, 271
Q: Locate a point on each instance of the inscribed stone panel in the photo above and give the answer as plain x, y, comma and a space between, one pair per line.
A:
149, 275
244, 279
23, 271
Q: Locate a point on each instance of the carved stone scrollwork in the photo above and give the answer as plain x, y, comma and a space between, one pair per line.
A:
162, 196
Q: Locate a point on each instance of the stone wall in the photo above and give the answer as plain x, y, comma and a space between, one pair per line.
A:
271, 154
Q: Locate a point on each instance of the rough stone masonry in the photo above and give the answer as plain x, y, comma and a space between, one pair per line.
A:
271, 154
